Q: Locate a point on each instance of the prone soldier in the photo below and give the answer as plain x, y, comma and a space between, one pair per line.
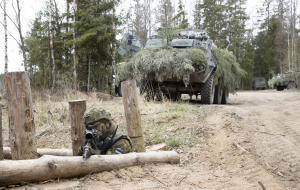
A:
102, 135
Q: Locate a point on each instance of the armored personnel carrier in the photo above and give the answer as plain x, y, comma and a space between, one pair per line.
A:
281, 82
259, 83
129, 46
201, 81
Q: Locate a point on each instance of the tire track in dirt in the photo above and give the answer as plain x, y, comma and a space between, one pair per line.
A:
276, 133
230, 129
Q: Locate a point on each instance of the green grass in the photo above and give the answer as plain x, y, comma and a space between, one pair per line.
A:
175, 142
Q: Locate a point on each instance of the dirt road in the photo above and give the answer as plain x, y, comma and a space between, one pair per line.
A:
252, 143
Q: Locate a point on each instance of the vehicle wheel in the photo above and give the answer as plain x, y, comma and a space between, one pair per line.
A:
225, 96
279, 88
142, 87
291, 85
158, 95
146, 89
207, 91
218, 94
119, 90
175, 96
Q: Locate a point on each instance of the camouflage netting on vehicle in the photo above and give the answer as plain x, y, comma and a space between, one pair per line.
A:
180, 63
295, 76
275, 81
229, 72
165, 63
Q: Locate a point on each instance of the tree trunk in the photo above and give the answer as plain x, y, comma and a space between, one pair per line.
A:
77, 109
21, 36
53, 167
20, 116
74, 53
113, 82
99, 69
89, 74
1, 140
133, 115
51, 45
5, 36
41, 152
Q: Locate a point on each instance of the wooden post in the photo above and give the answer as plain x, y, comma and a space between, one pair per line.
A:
77, 109
133, 115
20, 116
1, 144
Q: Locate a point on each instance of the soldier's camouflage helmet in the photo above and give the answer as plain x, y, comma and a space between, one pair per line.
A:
94, 114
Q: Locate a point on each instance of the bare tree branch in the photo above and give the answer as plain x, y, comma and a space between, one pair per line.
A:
11, 34
9, 17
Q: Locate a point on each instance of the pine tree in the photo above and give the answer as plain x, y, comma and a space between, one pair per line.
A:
235, 30
210, 16
37, 44
198, 15
265, 52
180, 21
164, 16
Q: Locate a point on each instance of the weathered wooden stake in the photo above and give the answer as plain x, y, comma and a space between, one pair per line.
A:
77, 109
133, 115
1, 144
20, 116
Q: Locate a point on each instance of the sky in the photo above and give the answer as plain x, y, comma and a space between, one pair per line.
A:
29, 8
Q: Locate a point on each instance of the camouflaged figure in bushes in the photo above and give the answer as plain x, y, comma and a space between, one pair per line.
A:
104, 127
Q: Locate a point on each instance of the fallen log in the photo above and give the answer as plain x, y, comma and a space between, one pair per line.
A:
41, 152
53, 167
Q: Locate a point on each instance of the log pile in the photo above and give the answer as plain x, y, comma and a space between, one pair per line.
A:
40, 152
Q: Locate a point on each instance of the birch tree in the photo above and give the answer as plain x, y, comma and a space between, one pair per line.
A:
17, 24
51, 44
5, 36
113, 84
74, 50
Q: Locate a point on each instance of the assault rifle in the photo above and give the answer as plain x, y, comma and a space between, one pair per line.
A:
92, 140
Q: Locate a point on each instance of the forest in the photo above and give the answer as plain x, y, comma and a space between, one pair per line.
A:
76, 48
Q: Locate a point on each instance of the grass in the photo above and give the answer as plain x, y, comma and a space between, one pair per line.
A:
175, 123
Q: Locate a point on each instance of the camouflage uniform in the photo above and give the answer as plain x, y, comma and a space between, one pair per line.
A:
103, 124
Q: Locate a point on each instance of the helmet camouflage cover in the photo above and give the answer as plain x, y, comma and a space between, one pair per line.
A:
94, 114
101, 119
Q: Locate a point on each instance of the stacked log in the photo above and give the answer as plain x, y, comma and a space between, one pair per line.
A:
53, 167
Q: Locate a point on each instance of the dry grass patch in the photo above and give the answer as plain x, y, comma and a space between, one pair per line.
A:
174, 123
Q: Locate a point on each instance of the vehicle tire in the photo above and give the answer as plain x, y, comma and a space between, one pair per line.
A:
146, 89
175, 96
279, 88
119, 90
142, 87
158, 95
225, 96
207, 91
291, 85
218, 94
